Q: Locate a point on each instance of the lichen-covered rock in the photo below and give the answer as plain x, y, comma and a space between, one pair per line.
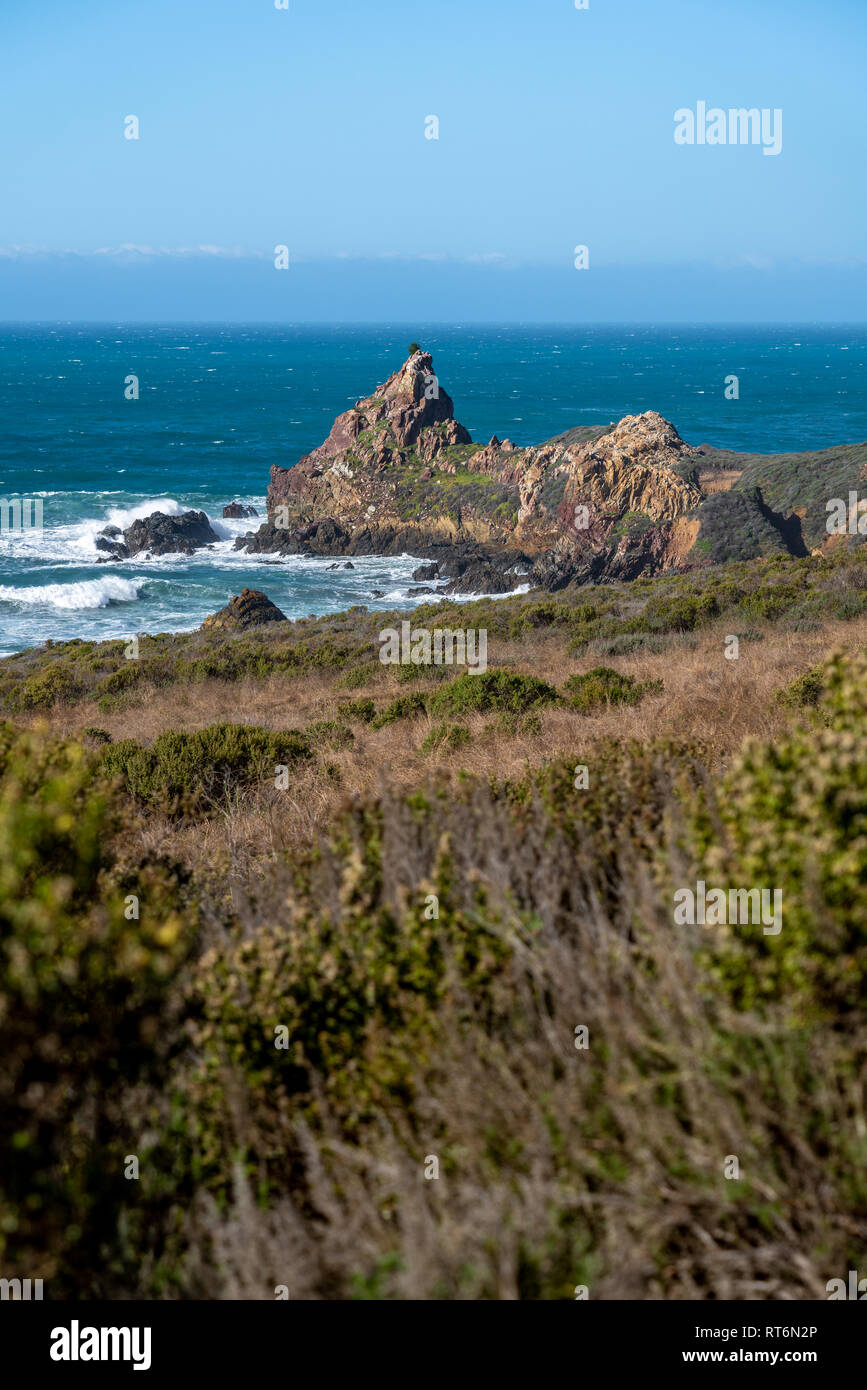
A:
411, 415
250, 608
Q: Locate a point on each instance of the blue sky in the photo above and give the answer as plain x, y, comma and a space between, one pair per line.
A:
305, 127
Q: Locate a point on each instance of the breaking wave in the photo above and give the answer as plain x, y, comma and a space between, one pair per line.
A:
85, 593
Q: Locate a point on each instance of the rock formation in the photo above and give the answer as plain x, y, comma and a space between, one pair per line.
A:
410, 419
398, 474
238, 511
250, 608
110, 541
164, 535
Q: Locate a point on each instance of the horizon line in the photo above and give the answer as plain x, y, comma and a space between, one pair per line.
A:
418, 324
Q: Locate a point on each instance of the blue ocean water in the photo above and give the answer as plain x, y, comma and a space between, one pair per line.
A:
219, 405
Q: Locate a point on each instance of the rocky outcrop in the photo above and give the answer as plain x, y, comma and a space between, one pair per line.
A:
166, 535
482, 577
410, 418
375, 485
238, 511
398, 474
250, 608
110, 542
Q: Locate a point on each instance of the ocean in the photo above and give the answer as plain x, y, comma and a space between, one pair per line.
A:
218, 405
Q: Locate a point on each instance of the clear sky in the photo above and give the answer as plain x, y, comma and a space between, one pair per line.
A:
306, 127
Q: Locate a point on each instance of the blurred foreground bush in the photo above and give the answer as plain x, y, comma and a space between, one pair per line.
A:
414, 996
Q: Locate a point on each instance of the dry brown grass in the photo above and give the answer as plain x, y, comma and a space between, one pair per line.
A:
559, 1167
706, 698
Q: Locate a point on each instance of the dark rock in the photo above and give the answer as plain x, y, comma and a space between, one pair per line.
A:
421, 589
349, 565
237, 510
427, 572
481, 577
164, 535
377, 593
323, 537
113, 550
250, 608
326, 536
557, 568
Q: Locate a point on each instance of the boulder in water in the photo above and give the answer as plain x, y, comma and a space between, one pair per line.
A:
164, 535
250, 608
238, 511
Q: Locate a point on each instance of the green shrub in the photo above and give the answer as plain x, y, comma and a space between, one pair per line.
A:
120, 680
772, 602
426, 966
404, 707
355, 677
358, 993
492, 691
448, 736
194, 773
110, 693
792, 815
514, 725
805, 690
605, 686
248, 657
48, 687
330, 733
549, 613
95, 735
629, 642
82, 994
410, 671
363, 710
679, 612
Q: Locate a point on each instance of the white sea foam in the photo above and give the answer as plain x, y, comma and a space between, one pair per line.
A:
125, 516
471, 598
85, 593
76, 540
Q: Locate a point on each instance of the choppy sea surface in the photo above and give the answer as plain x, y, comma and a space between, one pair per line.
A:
218, 405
